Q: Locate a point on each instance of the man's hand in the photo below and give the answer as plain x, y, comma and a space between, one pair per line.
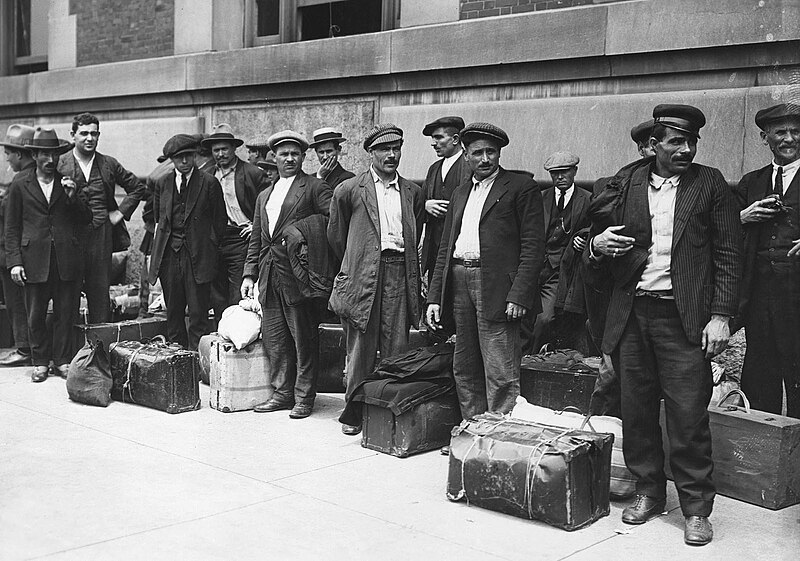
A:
248, 287
69, 186
715, 335
514, 311
18, 275
436, 207
759, 211
432, 316
579, 243
115, 216
327, 166
246, 231
611, 244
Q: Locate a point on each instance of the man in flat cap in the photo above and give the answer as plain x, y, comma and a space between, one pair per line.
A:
487, 272
444, 175
290, 320
327, 144
257, 148
670, 243
190, 220
19, 159
99, 174
241, 183
770, 305
565, 207
376, 220
45, 214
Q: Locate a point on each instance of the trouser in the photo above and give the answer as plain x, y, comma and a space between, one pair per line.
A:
97, 272
772, 358
544, 321
226, 289
66, 301
291, 343
17, 314
656, 358
387, 328
487, 354
180, 291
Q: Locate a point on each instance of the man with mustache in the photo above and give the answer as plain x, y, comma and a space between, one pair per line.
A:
376, 220
770, 306
487, 272
669, 241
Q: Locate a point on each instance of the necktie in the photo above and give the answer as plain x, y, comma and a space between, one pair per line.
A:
560, 202
778, 190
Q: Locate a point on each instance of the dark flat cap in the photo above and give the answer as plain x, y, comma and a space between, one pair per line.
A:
684, 118
452, 121
476, 131
642, 131
381, 134
777, 113
561, 160
268, 162
179, 144
287, 136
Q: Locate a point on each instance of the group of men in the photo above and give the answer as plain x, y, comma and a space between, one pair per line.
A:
664, 258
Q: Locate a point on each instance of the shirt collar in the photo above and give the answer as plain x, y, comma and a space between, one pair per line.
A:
454, 157
77, 158
227, 172
788, 167
657, 182
486, 181
394, 182
188, 176
567, 191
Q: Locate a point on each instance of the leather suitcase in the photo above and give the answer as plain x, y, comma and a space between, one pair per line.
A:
108, 333
156, 375
559, 476
426, 427
239, 379
557, 386
756, 454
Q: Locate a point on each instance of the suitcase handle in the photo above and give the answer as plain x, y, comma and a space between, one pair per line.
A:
740, 393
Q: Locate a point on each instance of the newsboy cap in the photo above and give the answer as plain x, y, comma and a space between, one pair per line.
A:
259, 142
326, 134
287, 136
641, 132
684, 118
777, 113
476, 131
382, 134
452, 121
18, 136
179, 144
561, 160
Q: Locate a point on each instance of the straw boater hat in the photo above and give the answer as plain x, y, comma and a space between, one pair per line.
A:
18, 136
221, 133
326, 134
46, 139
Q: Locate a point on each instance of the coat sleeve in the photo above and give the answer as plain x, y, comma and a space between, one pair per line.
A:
254, 246
419, 212
13, 226
435, 289
218, 210
530, 217
322, 194
339, 223
134, 188
727, 247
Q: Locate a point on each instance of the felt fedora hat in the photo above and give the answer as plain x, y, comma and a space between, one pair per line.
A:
47, 139
18, 136
221, 133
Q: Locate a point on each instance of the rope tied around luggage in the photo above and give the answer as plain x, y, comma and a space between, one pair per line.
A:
530, 474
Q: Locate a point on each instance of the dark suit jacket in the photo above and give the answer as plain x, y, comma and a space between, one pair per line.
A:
205, 223
512, 246
337, 175
354, 236
574, 220
306, 196
33, 227
3, 199
705, 263
249, 181
435, 188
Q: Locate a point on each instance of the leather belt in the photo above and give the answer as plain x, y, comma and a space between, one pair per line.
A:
389, 256
468, 263
657, 294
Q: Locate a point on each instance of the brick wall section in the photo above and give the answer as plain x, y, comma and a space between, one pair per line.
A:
117, 30
486, 8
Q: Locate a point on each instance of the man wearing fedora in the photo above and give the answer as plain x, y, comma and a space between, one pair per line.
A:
444, 175
241, 183
289, 322
375, 226
769, 199
98, 175
189, 216
269, 167
327, 144
487, 272
19, 159
45, 215
667, 233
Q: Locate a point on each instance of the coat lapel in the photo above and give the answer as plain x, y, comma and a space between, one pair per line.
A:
58, 190
637, 207
370, 199
165, 212
685, 199
264, 216
193, 188
499, 188
407, 212
547, 200
293, 195
36, 190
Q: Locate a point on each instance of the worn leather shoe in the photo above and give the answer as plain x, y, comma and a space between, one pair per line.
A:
39, 373
643, 509
698, 530
301, 410
273, 405
61, 370
351, 430
15, 358
445, 450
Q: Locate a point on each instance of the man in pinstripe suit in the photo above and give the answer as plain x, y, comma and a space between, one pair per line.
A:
675, 288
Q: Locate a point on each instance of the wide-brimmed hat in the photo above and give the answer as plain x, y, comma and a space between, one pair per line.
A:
221, 133
47, 139
18, 136
179, 144
326, 134
287, 136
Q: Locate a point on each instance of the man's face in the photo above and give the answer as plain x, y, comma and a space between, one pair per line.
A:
224, 154
85, 138
327, 150
252, 156
289, 158
674, 153
483, 157
14, 159
272, 174
386, 157
445, 142
783, 138
184, 162
563, 178
46, 161
645, 150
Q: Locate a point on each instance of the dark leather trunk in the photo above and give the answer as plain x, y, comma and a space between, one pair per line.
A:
557, 386
108, 333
